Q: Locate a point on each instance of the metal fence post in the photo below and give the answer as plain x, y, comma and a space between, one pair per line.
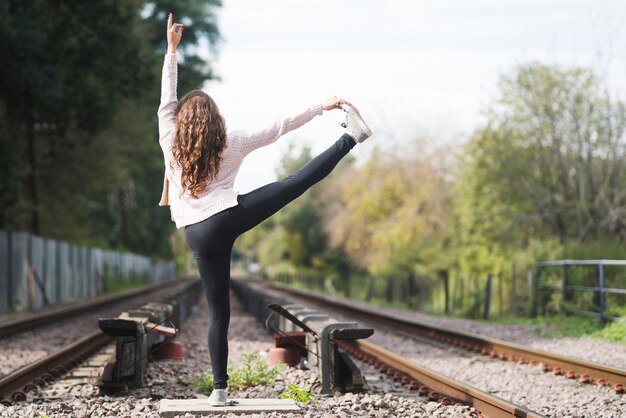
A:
513, 291
446, 288
10, 290
57, 272
601, 293
487, 307
500, 295
565, 284
531, 294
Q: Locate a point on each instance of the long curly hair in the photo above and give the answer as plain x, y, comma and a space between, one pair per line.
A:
199, 139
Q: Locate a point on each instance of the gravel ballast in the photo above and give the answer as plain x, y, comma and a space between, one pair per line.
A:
524, 385
171, 379
26, 347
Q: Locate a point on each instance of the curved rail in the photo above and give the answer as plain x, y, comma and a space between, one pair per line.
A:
571, 368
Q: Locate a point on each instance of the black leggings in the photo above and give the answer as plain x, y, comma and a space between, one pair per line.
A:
212, 239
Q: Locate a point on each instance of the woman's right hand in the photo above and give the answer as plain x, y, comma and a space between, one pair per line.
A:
333, 102
174, 33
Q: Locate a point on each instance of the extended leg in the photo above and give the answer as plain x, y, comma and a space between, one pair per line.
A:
260, 204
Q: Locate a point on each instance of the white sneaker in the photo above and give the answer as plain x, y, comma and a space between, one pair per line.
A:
219, 397
354, 124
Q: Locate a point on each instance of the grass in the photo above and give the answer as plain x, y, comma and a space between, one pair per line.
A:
549, 326
298, 394
115, 283
615, 332
553, 326
254, 372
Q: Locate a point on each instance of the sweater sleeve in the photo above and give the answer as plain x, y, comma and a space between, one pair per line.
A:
248, 141
169, 101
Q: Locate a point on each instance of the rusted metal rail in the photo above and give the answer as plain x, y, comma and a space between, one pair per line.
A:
434, 385
426, 382
571, 368
36, 319
13, 387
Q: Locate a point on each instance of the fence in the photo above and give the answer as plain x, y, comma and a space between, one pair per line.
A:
37, 271
473, 296
574, 289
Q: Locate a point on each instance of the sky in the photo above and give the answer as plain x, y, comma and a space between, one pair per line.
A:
413, 68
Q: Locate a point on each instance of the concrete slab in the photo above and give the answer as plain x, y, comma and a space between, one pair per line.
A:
85, 372
173, 407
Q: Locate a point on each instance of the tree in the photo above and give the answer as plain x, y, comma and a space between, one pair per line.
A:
295, 237
79, 88
55, 81
551, 158
392, 221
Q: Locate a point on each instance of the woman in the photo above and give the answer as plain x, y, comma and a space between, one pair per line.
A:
201, 162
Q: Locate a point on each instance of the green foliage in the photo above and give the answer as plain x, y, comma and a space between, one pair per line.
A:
615, 332
298, 394
541, 179
254, 372
79, 155
296, 238
116, 283
553, 326
566, 326
203, 384
545, 165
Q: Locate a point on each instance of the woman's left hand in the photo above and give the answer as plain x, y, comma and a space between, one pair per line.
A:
333, 103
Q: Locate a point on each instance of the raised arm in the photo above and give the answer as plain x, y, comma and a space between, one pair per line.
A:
169, 79
248, 141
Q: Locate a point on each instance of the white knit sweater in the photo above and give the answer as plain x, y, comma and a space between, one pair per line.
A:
219, 193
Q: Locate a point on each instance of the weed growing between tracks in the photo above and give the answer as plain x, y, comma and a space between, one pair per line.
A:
255, 371
298, 394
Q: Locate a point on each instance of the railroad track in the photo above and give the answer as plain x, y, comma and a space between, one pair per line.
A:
14, 386
433, 385
66, 311
568, 367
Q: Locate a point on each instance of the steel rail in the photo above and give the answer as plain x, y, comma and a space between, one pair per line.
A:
432, 384
489, 405
49, 367
560, 365
14, 386
36, 319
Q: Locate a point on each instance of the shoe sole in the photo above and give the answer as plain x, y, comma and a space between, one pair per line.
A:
218, 403
357, 116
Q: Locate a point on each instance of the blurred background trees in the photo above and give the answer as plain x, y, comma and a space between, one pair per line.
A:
543, 178
79, 87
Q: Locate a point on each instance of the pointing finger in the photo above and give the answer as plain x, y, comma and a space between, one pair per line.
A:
169, 22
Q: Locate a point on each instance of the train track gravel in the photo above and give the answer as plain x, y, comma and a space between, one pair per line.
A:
172, 379
544, 393
591, 349
23, 348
